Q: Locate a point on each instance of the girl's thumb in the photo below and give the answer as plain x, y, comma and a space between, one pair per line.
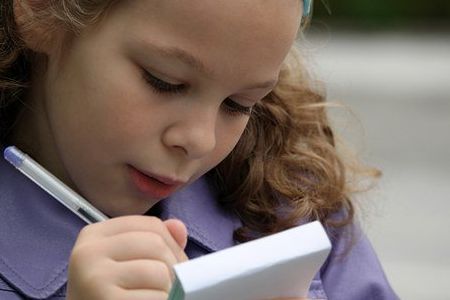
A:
178, 231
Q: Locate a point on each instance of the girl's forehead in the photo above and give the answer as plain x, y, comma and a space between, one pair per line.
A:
249, 37
224, 7
227, 16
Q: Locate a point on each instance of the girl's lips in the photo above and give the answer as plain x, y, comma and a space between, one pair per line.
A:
153, 186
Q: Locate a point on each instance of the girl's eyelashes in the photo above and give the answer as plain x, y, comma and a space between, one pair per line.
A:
160, 86
230, 106
233, 108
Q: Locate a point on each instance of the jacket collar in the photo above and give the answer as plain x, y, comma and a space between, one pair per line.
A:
208, 223
37, 233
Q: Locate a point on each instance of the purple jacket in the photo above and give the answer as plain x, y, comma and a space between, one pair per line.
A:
37, 234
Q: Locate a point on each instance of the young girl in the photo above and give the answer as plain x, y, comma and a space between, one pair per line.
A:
171, 117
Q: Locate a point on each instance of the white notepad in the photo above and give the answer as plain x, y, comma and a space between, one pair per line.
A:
280, 265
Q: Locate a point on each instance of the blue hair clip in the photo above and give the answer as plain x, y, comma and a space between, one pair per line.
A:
307, 7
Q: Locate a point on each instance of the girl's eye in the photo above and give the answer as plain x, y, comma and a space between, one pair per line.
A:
233, 108
230, 106
160, 86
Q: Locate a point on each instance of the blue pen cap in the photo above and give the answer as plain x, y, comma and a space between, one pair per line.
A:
14, 156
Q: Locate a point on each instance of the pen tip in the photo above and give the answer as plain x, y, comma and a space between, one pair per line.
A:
13, 155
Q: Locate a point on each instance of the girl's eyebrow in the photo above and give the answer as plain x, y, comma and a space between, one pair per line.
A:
189, 59
179, 54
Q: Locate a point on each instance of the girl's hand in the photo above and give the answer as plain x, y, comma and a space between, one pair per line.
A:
126, 258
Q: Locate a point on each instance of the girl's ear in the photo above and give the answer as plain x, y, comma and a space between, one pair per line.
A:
37, 34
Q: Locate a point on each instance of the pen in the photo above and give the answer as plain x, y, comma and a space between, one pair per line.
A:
52, 185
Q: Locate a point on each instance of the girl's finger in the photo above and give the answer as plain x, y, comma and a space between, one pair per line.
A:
137, 245
178, 231
125, 224
143, 274
141, 294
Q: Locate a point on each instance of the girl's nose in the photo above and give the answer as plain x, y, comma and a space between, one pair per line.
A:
194, 134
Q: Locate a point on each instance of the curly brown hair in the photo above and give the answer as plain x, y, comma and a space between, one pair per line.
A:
285, 167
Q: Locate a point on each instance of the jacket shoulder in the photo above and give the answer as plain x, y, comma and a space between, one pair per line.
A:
353, 270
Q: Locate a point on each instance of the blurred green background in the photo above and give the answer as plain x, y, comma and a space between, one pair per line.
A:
384, 14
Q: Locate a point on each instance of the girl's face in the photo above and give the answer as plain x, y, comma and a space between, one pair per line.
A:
156, 94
